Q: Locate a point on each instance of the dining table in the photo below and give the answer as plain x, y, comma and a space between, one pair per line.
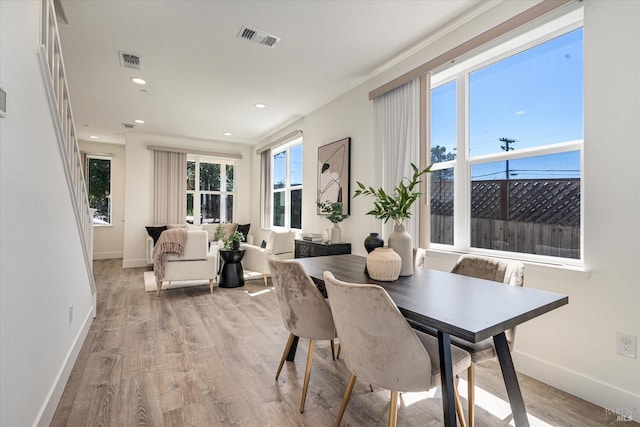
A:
451, 304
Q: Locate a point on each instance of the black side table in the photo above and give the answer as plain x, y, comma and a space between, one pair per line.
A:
232, 274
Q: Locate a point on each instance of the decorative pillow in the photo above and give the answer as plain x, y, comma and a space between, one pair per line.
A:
228, 230
211, 230
155, 232
263, 244
244, 230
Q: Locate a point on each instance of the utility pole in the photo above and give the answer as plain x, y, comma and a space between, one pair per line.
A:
507, 147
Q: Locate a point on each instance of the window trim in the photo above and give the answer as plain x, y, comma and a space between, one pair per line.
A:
197, 193
287, 188
88, 157
461, 166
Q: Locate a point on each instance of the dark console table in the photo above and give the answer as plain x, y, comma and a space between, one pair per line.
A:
306, 249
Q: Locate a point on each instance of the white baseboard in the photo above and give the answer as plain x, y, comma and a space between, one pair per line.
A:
107, 255
55, 393
133, 263
607, 396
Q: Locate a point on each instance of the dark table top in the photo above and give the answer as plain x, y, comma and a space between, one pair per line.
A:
470, 308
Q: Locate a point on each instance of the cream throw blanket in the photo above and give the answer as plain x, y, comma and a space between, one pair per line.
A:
170, 242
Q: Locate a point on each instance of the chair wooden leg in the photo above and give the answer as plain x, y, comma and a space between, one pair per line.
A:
307, 374
333, 352
158, 287
264, 277
345, 399
210, 286
284, 354
459, 410
393, 409
339, 348
471, 394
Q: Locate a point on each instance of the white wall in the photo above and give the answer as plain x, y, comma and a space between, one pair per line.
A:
139, 187
42, 269
108, 240
572, 348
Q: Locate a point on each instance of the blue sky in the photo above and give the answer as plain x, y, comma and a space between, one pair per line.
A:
534, 98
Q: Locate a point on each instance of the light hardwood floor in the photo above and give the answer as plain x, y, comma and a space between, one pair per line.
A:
191, 358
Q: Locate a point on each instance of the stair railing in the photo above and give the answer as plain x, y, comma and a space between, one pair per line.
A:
52, 66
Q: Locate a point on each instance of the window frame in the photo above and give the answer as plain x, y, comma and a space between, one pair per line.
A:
460, 72
223, 192
288, 188
108, 158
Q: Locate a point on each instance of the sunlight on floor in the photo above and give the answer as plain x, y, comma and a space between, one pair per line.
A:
484, 401
258, 293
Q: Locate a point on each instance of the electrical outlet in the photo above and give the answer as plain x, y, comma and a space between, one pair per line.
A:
626, 344
70, 313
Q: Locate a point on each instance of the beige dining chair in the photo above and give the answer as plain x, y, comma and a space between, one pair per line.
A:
419, 257
497, 270
380, 347
305, 313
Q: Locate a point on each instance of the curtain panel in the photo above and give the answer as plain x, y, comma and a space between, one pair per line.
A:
396, 143
265, 188
169, 187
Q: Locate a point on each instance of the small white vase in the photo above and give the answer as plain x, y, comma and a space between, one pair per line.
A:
336, 234
401, 242
384, 264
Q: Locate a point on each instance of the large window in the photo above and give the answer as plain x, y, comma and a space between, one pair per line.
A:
210, 190
506, 136
98, 177
286, 186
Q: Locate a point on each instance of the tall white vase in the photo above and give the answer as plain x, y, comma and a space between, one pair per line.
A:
402, 243
336, 234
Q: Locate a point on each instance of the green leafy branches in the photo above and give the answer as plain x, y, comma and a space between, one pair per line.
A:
334, 211
235, 237
396, 206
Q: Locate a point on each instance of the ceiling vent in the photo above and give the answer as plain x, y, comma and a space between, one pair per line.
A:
257, 36
128, 125
129, 60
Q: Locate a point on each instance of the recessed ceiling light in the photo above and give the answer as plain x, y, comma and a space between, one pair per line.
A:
93, 137
261, 106
138, 80
139, 121
227, 134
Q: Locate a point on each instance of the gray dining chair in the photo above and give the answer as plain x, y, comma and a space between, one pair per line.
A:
380, 347
305, 313
497, 270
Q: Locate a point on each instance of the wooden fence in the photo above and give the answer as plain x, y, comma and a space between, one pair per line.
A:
527, 216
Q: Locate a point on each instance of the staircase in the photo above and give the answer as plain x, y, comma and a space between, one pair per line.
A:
52, 66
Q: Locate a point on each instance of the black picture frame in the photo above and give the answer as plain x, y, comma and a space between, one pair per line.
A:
334, 173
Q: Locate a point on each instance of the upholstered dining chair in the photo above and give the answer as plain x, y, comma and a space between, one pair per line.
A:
304, 311
419, 256
497, 270
380, 347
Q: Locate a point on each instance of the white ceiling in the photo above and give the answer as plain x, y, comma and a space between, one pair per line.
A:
202, 80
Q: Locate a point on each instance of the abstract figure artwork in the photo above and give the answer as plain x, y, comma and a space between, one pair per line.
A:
333, 173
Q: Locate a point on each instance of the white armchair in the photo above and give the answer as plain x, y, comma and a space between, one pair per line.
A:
256, 259
198, 260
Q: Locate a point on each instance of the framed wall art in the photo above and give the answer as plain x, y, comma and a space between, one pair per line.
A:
334, 173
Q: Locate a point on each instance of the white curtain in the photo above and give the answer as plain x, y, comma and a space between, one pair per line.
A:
396, 143
169, 187
265, 188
